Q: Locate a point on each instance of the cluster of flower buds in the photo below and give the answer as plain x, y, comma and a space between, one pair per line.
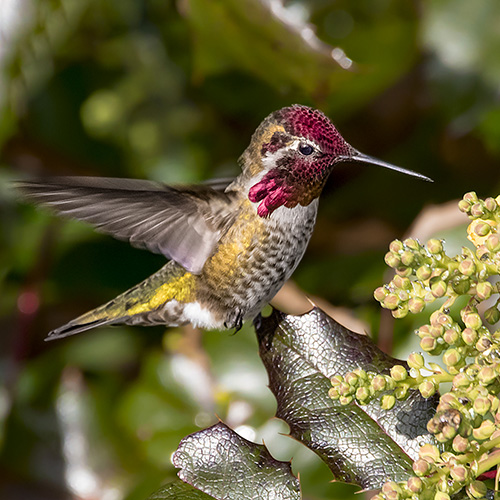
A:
438, 476
467, 434
365, 386
466, 426
458, 341
465, 419
426, 273
441, 471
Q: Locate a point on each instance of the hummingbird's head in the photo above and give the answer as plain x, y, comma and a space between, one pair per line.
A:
292, 154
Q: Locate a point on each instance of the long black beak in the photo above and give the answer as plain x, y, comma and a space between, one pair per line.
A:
362, 158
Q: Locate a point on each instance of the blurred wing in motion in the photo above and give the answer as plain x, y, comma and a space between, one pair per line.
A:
182, 223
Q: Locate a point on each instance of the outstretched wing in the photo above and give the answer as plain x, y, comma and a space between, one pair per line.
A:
182, 223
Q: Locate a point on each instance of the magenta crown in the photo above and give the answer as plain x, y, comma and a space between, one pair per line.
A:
312, 124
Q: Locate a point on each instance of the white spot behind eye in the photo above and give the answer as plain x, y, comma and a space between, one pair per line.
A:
270, 159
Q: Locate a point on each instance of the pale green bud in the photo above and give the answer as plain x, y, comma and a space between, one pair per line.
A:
361, 373
477, 210
441, 495
460, 284
428, 344
391, 487
472, 320
470, 198
486, 375
333, 393
467, 267
423, 331
345, 389
447, 433
402, 283
412, 244
435, 246
391, 301
494, 403
352, 379
392, 260
480, 228
429, 452
490, 204
424, 273
387, 401
415, 360
380, 293
469, 336
460, 380
459, 473
379, 383
401, 311
362, 393
451, 336
416, 305
436, 331
415, 484
407, 258
427, 389
404, 271
484, 290
492, 315
463, 206
438, 288
396, 246
399, 373
482, 405
484, 431
345, 400
452, 357
401, 391
477, 489
493, 242
421, 467
460, 444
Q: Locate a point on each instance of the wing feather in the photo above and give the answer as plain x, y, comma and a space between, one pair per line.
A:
182, 223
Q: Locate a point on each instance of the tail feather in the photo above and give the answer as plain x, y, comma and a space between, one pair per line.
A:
144, 304
75, 326
107, 314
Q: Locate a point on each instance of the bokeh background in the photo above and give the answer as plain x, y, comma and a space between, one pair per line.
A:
172, 91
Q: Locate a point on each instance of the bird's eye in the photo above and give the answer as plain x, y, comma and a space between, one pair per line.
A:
305, 149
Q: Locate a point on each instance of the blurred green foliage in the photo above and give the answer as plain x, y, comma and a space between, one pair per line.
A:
172, 91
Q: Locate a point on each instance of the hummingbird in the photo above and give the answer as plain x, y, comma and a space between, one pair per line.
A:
231, 244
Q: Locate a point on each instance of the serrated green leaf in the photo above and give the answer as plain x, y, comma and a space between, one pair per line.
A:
364, 445
221, 463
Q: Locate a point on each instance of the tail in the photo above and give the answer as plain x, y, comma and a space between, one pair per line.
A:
84, 322
145, 304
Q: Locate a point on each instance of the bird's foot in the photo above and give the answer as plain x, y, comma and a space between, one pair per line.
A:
234, 321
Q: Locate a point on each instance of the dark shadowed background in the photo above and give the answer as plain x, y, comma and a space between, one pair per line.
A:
172, 91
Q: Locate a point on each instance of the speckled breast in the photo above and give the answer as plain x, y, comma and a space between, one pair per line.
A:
254, 259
